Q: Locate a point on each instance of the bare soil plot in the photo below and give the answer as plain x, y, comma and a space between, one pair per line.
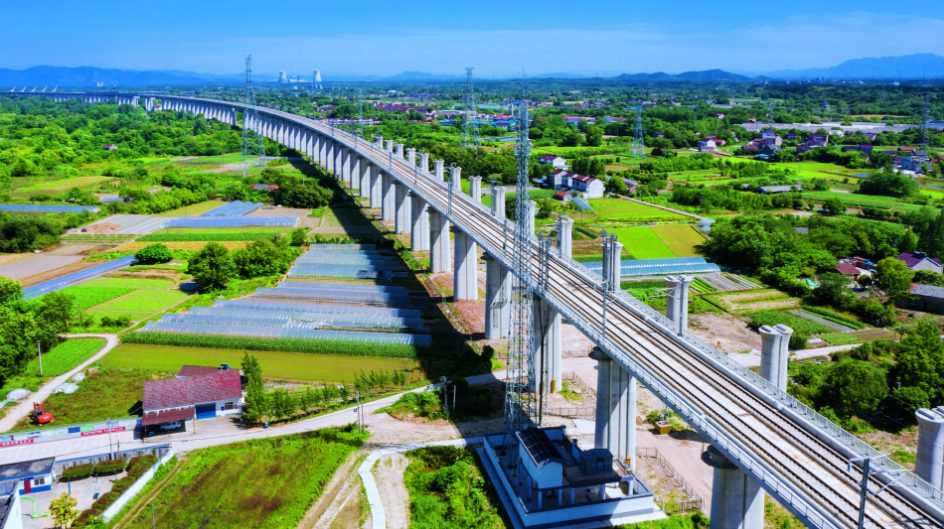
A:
8, 258
727, 332
181, 245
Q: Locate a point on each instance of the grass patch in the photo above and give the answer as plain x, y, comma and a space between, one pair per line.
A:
65, 356
447, 489
106, 393
425, 404
261, 483
853, 199
346, 216
293, 345
838, 338
275, 364
568, 392
146, 301
88, 297
682, 239
835, 318
772, 318
129, 282
617, 209
185, 237
643, 243
193, 210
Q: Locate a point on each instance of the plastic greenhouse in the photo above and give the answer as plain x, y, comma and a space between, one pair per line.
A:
418, 340
76, 277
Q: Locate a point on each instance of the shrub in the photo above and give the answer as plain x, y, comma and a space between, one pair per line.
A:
87, 516
77, 472
154, 253
140, 464
110, 467
120, 485
105, 500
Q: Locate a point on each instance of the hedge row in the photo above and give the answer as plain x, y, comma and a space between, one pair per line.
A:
136, 467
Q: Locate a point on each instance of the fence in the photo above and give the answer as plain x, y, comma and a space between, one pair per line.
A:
690, 501
582, 412
134, 489
65, 432
158, 451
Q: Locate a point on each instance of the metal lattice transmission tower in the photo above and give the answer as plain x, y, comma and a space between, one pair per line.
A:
519, 403
470, 133
252, 153
360, 109
638, 149
925, 115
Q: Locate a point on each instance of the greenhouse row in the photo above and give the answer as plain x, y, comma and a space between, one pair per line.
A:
299, 319
234, 208
342, 247
308, 307
76, 277
39, 208
390, 289
233, 221
418, 340
127, 224
340, 295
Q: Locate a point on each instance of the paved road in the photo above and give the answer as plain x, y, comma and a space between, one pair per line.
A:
26, 406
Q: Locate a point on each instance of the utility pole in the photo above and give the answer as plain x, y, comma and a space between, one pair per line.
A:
40, 349
360, 424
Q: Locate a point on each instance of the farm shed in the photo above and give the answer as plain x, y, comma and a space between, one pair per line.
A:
921, 261
925, 298
35, 476
200, 396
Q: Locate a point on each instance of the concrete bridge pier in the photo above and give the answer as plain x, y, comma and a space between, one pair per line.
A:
339, 161
389, 146
329, 155
929, 465
532, 209
411, 156
424, 162
354, 161
475, 188
455, 178
404, 219
398, 150
233, 116
676, 303
465, 284
388, 205
737, 501
565, 228
498, 202
775, 354
363, 166
497, 299
375, 190
438, 169
546, 332
419, 231
380, 142
615, 427
440, 254
322, 143
346, 165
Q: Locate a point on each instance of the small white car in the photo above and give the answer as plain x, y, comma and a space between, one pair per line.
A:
170, 425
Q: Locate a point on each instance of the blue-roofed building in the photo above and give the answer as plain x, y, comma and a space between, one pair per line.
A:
660, 267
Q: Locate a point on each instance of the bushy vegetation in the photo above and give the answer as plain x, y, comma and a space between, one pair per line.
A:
154, 253
447, 490
205, 236
261, 483
292, 345
802, 329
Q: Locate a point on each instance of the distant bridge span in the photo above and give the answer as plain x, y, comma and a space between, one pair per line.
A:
797, 456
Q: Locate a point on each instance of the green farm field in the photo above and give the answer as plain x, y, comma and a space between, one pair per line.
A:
851, 199
58, 186
617, 209
643, 243
193, 209
292, 366
146, 301
132, 283
65, 356
88, 297
261, 483
682, 239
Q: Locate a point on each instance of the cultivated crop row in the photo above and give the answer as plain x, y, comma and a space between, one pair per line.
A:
293, 345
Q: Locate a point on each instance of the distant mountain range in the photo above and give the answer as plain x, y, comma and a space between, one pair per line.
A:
918, 66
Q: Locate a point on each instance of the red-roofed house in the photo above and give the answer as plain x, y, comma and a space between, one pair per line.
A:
849, 269
562, 196
204, 396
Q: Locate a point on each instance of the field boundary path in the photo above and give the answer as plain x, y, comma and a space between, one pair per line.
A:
20, 410
663, 208
377, 513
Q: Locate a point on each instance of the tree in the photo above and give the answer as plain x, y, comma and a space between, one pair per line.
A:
213, 266
263, 257
853, 385
298, 236
919, 361
834, 206
929, 277
63, 509
908, 242
615, 185
256, 398
833, 289
10, 290
154, 253
894, 278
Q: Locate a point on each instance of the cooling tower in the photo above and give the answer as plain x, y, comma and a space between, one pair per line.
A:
318, 76
282, 78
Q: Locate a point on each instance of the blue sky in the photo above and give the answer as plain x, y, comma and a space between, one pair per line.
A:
499, 38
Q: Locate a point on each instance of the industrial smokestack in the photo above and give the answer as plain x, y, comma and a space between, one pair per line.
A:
282, 78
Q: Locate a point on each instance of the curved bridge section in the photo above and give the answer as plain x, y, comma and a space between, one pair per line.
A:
808, 464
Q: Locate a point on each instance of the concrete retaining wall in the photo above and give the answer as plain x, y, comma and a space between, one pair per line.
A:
158, 450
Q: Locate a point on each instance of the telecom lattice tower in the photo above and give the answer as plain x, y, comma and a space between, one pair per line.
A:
638, 149
925, 115
253, 148
519, 403
470, 133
